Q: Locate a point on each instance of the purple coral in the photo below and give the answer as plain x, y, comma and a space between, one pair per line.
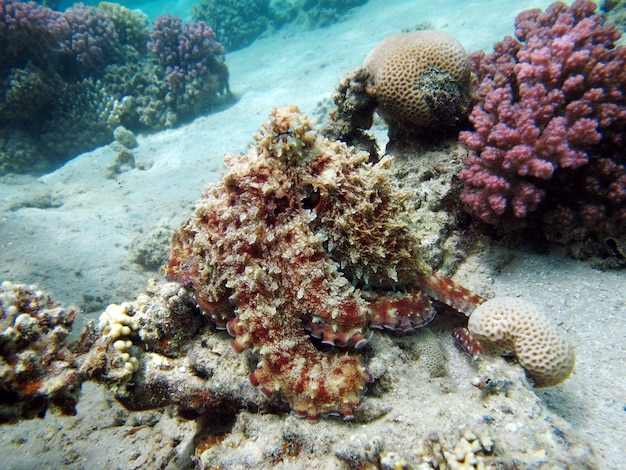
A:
548, 138
186, 51
92, 41
28, 31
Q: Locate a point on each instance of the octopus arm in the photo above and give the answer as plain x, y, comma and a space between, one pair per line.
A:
314, 383
447, 291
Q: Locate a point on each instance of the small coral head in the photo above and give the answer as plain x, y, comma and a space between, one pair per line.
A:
422, 80
510, 326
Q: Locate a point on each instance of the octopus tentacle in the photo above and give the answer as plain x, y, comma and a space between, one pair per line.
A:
401, 311
447, 291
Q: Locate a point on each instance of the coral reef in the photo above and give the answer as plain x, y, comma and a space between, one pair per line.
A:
415, 420
237, 24
509, 326
36, 371
181, 360
155, 351
131, 26
86, 116
187, 51
192, 63
549, 127
425, 167
28, 32
422, 81
320, 13
87, 70
18, 153
300, 251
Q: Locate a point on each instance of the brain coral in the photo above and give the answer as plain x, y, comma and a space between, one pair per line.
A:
422, 79
512, 326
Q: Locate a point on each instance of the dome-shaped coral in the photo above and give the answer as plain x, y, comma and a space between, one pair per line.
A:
422, 80
510, 326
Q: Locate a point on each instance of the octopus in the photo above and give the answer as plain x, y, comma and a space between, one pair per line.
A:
300, 251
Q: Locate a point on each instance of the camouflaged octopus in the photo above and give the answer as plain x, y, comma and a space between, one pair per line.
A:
303, 237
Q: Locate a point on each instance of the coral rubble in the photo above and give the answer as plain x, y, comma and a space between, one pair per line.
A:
36, 370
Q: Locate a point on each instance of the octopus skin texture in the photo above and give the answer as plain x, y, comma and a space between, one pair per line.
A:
303, 238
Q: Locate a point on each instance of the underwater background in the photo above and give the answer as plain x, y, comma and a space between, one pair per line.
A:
115, 117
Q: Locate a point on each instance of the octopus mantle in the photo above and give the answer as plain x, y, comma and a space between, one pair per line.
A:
303, 238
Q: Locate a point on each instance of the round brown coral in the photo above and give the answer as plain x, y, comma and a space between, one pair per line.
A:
422, 80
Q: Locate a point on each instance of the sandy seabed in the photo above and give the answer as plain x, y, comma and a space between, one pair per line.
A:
75, 233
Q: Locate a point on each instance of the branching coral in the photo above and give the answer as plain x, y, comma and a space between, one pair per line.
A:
92, 42
29, 96
192, 64
131, 26
187, 51
28, 32
70, 72
549, 126
85, 118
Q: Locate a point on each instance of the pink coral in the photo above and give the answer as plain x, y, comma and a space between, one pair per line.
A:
93, 40
28, 32
187, 51
549, 120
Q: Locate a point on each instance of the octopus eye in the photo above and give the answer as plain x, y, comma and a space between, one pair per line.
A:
313, 201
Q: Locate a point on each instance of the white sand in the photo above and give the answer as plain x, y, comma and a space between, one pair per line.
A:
72, 231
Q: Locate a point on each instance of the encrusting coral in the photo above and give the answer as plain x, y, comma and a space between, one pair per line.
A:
35, 372
302, 234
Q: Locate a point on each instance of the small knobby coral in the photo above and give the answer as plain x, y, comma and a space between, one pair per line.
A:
131, 25
93, 40
28, 32
187, 51
548, 138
